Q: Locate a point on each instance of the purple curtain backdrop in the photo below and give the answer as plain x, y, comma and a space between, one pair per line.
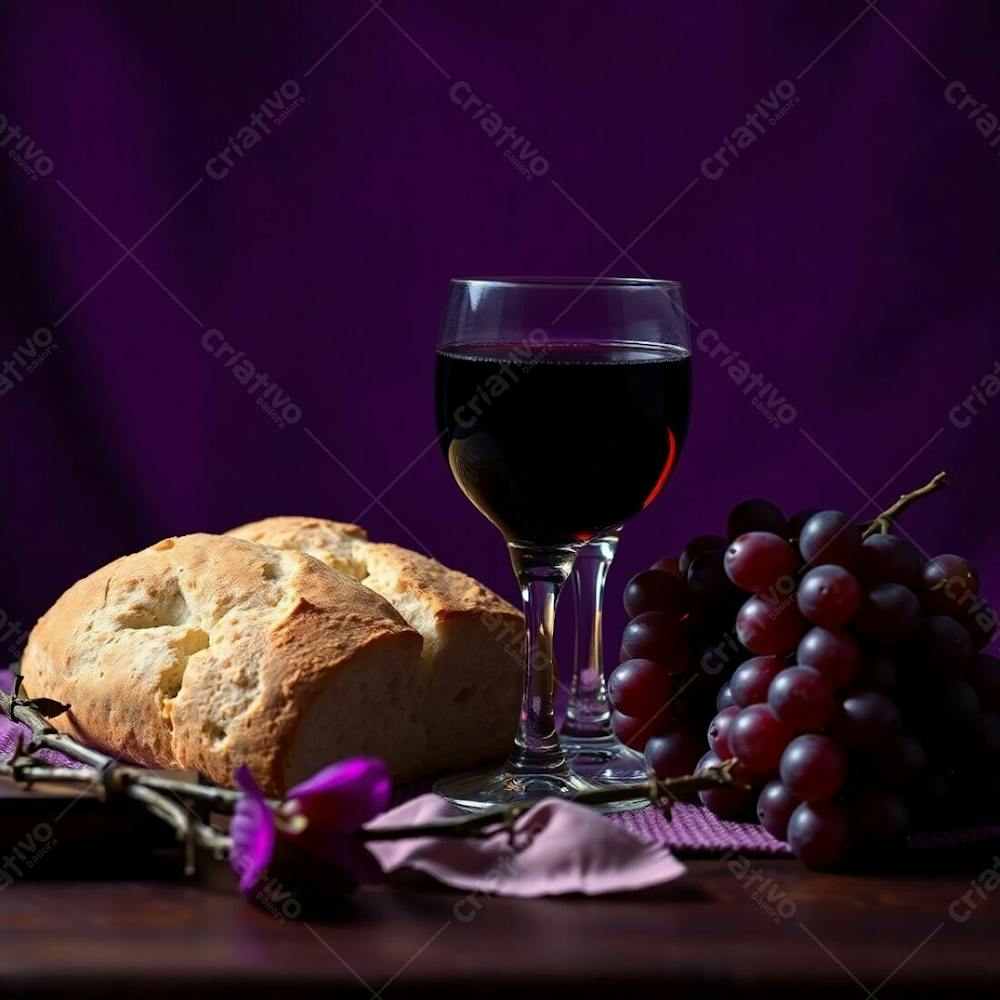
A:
845, 246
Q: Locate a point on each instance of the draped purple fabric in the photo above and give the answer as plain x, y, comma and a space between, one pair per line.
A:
183, 182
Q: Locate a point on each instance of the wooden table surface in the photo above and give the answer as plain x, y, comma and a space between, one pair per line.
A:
709, 934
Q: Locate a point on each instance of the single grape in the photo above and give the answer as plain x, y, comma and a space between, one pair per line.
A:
718, 732
983, 673
775, 806
707, 580
726, 803
830, 537
694, 548
668, 564
813, 767
758, 560
829, 596
942, 641
768, 627
949, 584
656, 636
833, 652
725, 698
866, 721
755, 515
758, 737
742, 774
820, 834
878, 673
752, 678
639, 688
889, 559
654, 590
802, 698
797, 522
878, 815
634, 732
889, 613
901, 763
674, 753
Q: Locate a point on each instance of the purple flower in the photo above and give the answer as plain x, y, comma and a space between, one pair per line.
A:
308, 843
253, 830
344, 796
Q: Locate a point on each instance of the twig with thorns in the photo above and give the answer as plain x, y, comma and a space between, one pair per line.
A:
172, 800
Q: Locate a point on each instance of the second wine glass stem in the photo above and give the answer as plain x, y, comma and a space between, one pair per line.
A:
588, 714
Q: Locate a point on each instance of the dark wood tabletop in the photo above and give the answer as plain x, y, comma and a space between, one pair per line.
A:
760, 927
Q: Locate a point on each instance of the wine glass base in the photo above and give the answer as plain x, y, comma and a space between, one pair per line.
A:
603, 760
477, 791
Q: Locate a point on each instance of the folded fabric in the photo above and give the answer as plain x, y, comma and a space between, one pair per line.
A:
558, 848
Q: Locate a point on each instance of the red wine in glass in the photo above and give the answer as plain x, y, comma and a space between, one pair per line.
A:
612, 418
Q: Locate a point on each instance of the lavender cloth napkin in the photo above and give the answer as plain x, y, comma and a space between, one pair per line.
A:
561, 848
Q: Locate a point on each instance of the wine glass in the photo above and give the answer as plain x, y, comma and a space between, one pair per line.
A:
593, 750
562, 405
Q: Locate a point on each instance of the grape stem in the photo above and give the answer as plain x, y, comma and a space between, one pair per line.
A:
884, 522
661, 792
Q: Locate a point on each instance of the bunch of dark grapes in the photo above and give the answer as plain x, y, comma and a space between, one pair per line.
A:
850, 686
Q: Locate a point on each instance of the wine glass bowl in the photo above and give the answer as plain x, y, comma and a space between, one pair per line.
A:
562, 406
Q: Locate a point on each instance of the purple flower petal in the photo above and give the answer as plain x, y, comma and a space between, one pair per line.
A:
344, 796
253, 831
245, 780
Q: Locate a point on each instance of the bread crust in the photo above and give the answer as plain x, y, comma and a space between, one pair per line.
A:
387, 569
204, 652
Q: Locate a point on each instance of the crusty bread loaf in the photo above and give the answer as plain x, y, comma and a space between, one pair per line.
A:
472, 660
209, 651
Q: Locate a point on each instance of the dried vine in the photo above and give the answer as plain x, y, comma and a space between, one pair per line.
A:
173, 801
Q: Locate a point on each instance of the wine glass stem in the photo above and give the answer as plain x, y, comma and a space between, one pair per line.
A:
588, 714
541, 572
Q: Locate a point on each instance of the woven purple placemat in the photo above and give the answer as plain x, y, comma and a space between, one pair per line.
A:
691, 829
694, 830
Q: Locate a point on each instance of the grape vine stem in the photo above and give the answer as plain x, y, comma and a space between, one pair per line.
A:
883, 523
504, 818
